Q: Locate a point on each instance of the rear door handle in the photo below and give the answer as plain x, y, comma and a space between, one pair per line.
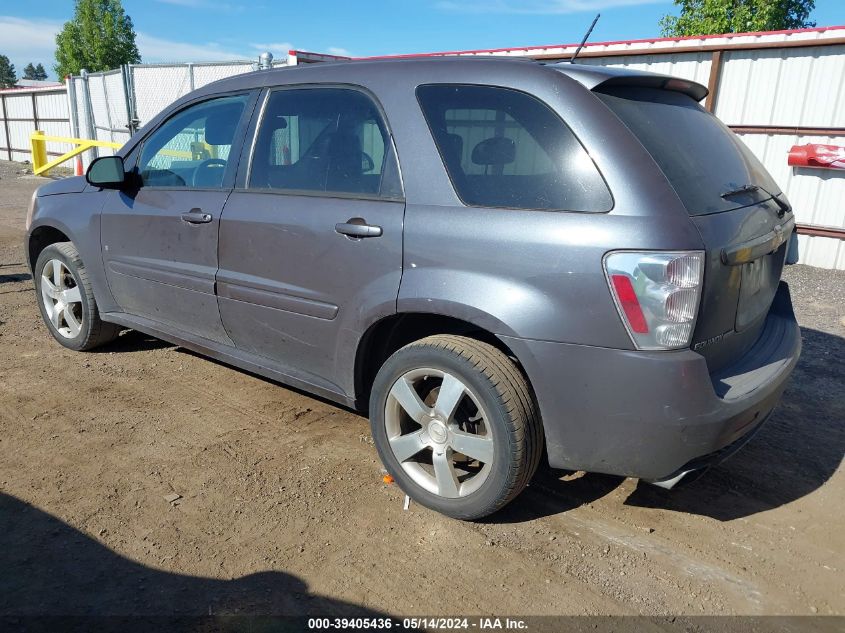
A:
196, 216
357, 227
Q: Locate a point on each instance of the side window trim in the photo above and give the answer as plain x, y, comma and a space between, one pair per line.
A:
247, 156
137, 150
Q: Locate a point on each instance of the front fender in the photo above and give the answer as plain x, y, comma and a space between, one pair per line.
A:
77, 216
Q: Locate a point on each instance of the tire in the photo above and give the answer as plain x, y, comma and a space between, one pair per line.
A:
66, 299
469, 396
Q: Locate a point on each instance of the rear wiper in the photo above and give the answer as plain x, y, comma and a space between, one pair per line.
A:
782, 205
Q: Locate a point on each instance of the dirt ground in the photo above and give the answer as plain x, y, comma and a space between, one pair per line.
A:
282, 507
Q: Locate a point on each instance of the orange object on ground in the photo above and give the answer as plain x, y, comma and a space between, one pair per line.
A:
387, 479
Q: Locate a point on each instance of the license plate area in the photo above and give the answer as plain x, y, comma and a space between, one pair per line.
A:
758, 285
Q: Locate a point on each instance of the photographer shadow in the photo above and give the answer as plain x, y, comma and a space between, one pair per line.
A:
55, 577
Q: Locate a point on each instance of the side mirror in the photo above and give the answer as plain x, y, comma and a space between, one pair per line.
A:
107, 172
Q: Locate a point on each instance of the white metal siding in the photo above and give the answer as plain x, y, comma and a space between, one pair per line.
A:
19, 106
783, 87
52, 105
692, 66
822, 252
818, 195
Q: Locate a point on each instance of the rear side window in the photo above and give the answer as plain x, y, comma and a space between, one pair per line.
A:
700, 156
323, 140
505, 148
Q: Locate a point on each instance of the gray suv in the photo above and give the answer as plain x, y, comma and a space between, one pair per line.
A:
499, 259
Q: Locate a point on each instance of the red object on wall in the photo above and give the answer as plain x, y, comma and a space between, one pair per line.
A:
820, 156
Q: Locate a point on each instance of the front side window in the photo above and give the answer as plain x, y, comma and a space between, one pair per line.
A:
323, 140
505, 148
192, 149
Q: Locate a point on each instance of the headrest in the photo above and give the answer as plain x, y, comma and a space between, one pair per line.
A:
220, 126
496, 151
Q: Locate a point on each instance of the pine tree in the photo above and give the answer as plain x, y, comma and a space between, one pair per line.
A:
8, 77
31, 72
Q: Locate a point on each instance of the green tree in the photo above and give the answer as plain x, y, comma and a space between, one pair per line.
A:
707, 17
99, 37
8, 78
36, 73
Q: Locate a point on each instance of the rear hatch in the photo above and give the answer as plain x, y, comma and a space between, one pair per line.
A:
734, 203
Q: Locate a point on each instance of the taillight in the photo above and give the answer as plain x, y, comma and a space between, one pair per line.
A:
657, 295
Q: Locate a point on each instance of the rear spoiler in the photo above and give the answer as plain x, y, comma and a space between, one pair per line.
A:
600, 78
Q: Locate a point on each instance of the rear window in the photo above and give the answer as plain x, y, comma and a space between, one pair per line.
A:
700, 156
504, 148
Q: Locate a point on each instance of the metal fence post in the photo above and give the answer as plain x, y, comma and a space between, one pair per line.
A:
89, 109
72, 106
132, 104
6, 125
108, 107
191, 76
127, 98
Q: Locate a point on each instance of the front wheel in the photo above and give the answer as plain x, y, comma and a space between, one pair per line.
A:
67, 301
455, 424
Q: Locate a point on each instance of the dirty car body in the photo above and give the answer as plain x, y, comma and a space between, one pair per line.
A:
250, 255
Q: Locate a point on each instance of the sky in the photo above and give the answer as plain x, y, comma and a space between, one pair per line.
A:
205, 30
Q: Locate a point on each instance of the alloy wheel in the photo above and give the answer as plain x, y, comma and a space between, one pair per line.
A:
439, 432
62, 298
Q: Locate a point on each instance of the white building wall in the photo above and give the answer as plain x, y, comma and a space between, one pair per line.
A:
692, 66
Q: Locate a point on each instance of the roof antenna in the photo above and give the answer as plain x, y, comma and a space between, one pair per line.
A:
584, 41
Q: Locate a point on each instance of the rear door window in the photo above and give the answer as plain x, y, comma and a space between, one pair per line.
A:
700, 156
505, 148
329, 140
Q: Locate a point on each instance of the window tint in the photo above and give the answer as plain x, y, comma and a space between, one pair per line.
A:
192, 148
504, 148
323, 139
699, 155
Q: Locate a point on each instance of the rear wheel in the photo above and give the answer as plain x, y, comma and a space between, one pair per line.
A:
66, 299
455, 425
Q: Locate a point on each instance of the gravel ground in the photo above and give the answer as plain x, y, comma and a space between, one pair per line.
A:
143, 479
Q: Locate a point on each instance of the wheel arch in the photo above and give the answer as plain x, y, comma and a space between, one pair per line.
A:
41, 237
392, 332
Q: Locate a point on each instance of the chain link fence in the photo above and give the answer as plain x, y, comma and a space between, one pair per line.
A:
111, 105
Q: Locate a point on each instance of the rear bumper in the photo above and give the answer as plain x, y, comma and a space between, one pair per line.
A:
653, 414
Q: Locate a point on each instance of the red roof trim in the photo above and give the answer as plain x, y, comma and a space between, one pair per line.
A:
483, 51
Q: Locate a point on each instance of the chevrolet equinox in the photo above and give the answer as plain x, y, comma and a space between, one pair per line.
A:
500, 260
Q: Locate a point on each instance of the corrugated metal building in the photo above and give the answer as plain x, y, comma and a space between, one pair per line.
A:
775, 90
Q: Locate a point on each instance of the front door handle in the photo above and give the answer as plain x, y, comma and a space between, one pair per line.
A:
196, 216
357, 227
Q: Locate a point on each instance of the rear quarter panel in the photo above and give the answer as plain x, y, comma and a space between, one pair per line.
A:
529, 274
